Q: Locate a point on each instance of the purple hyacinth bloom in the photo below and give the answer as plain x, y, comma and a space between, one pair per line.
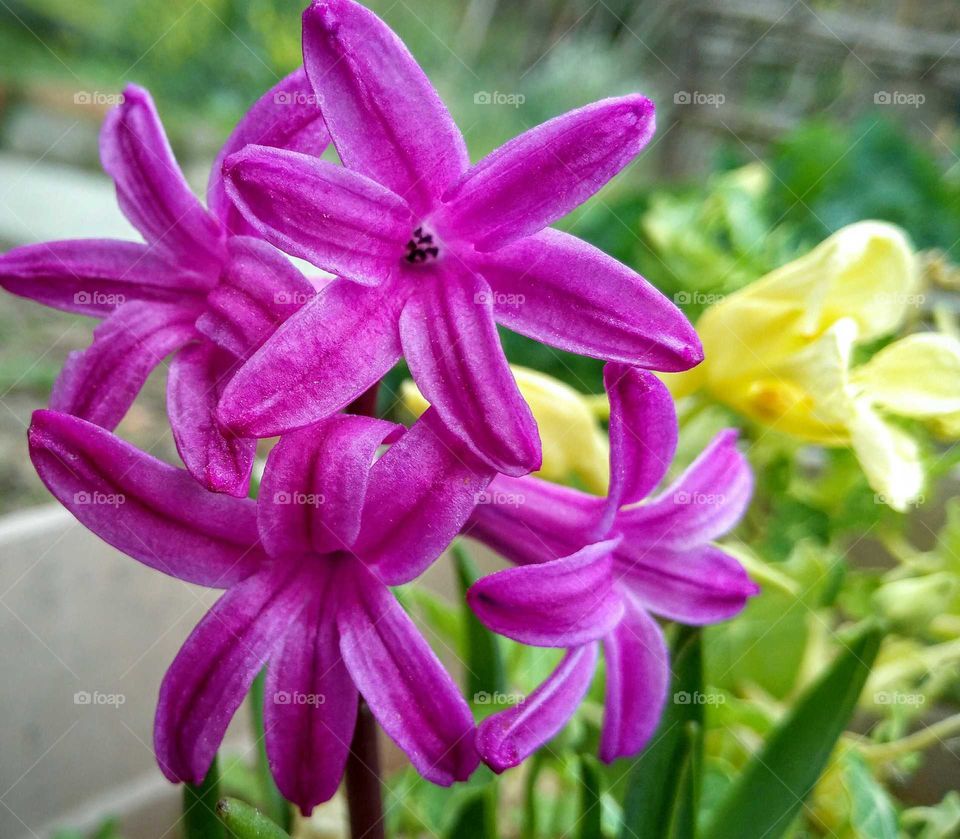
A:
200, 285
306, 569
624, 558
433, 253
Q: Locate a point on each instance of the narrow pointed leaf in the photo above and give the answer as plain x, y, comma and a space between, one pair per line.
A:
590, 810
764, 800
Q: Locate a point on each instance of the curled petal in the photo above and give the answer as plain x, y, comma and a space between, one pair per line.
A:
339, 220
421, 493
558, 289
386, 119
528, 520
310, 705
410, 694
100, 383
451, 344
214, 455
286, 117
258, 290
544, 173
643, 435
638, 677
214, 669
95, 276
145, 508
314, 485
705, 502
562, 603
151, 189
506, 739
696, 586
321, 359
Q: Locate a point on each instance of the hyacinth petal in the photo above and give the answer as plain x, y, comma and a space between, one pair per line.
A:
338, 345
696, 586
638, 678
258, 290
145, 508
410, 694
451, 345
214, 456
421, 492
100, 383
216, 665
643, 434
556, 288
704, 503
151, 189
562, 603
286, 117
339, 220
506, 739
546, 172
94, 276
528, 520
310, 705
386, 119
314, 485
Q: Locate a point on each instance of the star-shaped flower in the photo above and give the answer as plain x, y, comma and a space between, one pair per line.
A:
199, 286
306, 569
623, 558
433, 253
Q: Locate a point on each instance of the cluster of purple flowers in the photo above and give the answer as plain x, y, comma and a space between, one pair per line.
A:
423, 247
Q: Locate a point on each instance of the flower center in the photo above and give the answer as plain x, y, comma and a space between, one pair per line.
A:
422, 247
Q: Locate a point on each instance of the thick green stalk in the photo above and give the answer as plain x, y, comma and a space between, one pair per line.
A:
200, 807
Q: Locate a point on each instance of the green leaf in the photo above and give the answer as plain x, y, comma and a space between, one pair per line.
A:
770, 791
476, 819
590, 809
654, 798
200, 807
245, 822
485, 671
872, 815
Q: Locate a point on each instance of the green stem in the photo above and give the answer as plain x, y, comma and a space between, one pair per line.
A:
534, 765
274, 804
200, 807
244, 822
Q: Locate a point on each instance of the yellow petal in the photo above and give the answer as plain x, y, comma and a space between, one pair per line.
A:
917, 376
575, 449
889, 457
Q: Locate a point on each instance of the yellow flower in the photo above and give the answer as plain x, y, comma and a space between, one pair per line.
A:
575, 449
779, 351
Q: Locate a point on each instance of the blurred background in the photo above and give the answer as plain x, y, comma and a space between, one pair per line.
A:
838, 110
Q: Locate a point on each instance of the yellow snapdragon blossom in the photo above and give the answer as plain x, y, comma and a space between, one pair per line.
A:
575, 448
780, 350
